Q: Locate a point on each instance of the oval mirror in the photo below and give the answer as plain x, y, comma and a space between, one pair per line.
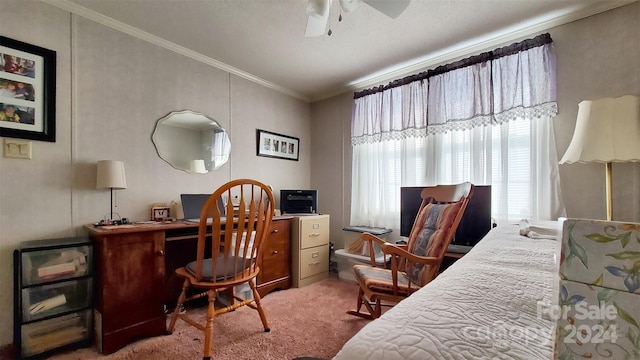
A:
191, 141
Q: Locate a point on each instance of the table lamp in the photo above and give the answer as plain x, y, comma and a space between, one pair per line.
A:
198, 167
111, 176
607, 130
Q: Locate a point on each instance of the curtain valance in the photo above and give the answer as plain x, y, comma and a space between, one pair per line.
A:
491, 88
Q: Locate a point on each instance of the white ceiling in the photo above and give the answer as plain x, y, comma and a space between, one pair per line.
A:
263, 40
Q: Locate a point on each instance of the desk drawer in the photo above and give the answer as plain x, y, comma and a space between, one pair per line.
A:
45, 335
314, 231
55, 264
314, 261
47, 300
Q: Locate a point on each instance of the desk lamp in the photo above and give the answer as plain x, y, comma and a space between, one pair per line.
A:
607, 130
111, 176
198, 167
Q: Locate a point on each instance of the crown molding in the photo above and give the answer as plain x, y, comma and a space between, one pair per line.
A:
472, 47
143, 35
460, 50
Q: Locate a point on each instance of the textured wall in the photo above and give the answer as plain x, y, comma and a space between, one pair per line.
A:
109, 97
331, 159
256, 107
597, 57
35, 195
111, 90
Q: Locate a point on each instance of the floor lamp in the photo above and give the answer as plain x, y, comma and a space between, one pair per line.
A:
111, 176
607, 131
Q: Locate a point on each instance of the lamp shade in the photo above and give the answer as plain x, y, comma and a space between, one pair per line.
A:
607, 130
197, 166
110, 175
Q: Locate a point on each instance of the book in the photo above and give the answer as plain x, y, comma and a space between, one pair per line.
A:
49, 334
47, 304
56, 270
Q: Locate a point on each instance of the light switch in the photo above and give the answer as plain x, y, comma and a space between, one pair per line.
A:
19, 149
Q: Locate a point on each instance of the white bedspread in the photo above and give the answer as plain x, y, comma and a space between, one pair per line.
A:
484, 306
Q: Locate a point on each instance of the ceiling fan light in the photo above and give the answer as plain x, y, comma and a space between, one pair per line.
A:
392, 9
318, 8
318, 11
349, 5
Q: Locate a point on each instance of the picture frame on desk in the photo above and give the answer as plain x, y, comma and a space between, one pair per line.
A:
27, 91
270, 144
160, 213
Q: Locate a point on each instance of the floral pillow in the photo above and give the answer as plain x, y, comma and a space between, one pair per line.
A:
602, 253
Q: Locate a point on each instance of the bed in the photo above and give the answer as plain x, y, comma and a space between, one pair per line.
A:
485, 306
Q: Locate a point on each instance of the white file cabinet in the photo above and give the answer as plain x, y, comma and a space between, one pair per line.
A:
310, 249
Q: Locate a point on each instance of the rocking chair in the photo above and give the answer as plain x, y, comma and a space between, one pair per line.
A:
415, 264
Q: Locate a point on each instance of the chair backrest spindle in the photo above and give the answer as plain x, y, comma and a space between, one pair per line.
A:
448, 202
232, 235
234, 223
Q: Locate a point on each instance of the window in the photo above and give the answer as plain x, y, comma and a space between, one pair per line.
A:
481, 121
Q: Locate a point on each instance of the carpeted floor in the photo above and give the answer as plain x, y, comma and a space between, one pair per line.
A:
305, 322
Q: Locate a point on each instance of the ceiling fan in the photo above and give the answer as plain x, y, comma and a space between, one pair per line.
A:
319, 10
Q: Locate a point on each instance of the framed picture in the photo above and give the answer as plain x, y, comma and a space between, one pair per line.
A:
277, 145
27, 91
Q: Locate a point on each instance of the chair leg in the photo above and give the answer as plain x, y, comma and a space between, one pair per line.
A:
378, 310
208, 330
176, 311
361, 301
370, 309
256, 297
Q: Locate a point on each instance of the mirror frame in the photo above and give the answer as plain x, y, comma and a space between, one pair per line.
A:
198, 165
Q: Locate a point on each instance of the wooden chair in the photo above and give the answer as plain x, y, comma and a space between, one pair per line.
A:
233, 246
415, 264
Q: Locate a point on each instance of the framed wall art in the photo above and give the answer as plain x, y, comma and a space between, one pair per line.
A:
270, 144
27, 91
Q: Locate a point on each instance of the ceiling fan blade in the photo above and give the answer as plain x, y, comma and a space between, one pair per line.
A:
391, 8
318, 11
349, 5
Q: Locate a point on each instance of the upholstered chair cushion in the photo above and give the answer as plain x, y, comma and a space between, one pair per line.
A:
222, 272
379, 279
432, 223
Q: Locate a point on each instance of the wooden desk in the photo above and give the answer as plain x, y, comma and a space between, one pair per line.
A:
135, 277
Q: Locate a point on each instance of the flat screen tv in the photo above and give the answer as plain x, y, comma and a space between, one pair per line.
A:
475, 222
299, 201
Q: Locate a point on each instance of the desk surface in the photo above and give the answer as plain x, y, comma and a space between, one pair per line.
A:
150, 226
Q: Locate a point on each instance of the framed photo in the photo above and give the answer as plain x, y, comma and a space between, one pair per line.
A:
277, 145
160, 213
27, 91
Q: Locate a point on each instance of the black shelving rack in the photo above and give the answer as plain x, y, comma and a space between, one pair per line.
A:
53, 296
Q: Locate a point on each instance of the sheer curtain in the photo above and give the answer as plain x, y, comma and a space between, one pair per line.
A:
219, 147
388, 136
486, 119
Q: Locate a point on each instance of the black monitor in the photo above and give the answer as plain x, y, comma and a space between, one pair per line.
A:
474, 225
